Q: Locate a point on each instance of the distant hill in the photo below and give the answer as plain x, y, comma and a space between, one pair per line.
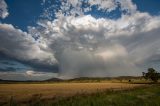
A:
83, 79
105, 78
54, 79
1, 80
89, 78
95, 78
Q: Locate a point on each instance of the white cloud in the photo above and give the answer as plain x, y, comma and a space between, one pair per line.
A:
108, 5
20, 45
98, 45
84, 45
128, 6
127, 25
31, 73
3, 9
79, 7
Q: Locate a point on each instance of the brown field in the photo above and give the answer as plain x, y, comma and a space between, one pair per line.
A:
24, 92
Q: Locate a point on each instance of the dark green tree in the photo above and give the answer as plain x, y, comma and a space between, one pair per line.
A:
152, 74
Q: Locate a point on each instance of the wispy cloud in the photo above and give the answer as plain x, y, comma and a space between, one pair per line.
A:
3, 9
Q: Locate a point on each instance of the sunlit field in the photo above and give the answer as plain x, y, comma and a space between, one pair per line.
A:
22, 93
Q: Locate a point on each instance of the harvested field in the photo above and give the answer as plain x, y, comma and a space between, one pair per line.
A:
24, 92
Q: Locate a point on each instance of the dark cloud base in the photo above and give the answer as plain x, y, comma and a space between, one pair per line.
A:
29, 65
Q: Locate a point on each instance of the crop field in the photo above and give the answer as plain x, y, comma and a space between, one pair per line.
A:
23, 93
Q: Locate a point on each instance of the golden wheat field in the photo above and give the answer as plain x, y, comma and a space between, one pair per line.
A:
23, 92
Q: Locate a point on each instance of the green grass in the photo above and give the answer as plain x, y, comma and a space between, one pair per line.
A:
143, 96
149, 96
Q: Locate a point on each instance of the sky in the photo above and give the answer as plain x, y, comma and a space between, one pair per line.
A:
41, 39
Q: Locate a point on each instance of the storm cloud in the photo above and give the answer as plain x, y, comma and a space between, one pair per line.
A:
75, 44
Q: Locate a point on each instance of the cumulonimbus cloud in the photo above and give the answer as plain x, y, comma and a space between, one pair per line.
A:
87, 46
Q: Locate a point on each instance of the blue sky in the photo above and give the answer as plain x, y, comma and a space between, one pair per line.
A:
75, 38
25, 13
